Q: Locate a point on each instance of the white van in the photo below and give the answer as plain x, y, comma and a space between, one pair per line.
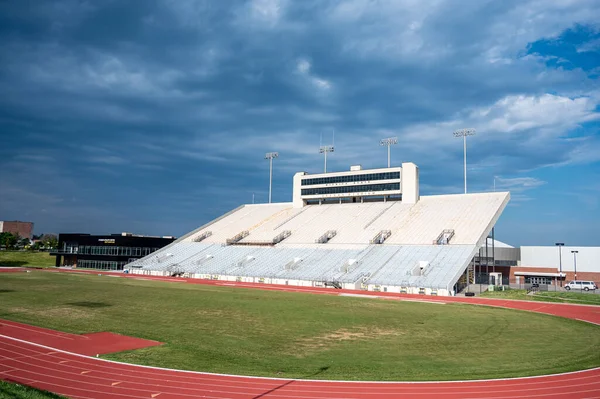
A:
581, 285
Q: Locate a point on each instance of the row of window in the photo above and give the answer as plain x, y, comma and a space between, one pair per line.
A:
101, 264
351, 178
351, 189
538, 280
490, 261
106, 250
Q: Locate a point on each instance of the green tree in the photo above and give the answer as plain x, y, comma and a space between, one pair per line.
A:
8, 240
50, 241
24, 242
3, 239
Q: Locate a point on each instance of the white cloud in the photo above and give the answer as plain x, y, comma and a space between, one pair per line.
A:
268, 11
321, 83
551, 112
585, 151
303, 68
431, 30
593, 46
107, 160
388, 28
54, 65
541, 115
261, 14
518, 183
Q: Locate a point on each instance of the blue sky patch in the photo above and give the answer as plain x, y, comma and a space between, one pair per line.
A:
154, 116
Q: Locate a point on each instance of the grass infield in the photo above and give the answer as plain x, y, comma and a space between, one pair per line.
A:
15, 391
298, 335
26, 259
582, 298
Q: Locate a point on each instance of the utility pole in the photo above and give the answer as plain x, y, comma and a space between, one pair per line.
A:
464, 133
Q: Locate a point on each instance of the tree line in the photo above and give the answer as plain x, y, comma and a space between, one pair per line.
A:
41, 242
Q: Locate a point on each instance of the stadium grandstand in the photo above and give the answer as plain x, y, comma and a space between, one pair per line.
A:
358, 229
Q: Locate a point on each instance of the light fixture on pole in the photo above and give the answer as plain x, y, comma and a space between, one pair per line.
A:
324, 149
270, 156
388, 142
464, 133
575, 262
560, 245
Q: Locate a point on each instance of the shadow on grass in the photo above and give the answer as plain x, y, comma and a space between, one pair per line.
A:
86, 304
3, 291
270, 391
13, 263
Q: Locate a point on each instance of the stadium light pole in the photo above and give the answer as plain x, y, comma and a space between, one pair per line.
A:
575, 262
270, 156
560, 245
464, 133
324, 149
388, 142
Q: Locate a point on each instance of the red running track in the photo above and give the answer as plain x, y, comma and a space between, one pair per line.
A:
84, 344
83, 377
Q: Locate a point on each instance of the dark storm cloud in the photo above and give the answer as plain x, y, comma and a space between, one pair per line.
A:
162, 101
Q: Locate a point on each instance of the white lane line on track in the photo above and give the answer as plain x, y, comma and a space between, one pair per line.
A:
307, 388
398, 389
401, 390
586, 321
39, 331
287, 379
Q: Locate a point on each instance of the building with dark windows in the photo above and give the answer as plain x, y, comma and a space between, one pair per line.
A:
358, 185
105, 252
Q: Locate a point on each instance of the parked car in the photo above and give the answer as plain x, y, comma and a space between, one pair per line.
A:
581, 285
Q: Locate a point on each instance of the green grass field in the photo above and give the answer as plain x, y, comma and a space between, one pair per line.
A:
543, 296
26, 259
16, 391
296, 335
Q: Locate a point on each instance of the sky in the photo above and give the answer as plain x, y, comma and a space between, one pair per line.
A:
153, 117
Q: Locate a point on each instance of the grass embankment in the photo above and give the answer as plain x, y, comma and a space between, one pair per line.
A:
545, 296
26, 259
16, 391
297, 335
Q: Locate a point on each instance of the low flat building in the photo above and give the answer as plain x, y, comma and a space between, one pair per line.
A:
542, 265
551, 264
105, 252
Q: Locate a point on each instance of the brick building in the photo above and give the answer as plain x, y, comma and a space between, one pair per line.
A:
543, 265
22, 229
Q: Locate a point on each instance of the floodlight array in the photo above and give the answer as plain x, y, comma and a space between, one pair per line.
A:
388, 141
464, 132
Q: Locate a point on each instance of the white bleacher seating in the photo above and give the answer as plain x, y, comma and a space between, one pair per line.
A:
349, 256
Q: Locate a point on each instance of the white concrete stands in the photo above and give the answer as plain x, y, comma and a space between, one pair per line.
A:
246, 218
296, 195
408, 260
469, 215
410, 183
